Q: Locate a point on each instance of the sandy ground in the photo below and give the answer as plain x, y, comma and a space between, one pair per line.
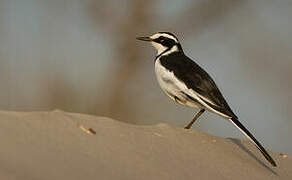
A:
59, 145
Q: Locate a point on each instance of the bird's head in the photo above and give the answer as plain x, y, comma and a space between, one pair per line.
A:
163, 42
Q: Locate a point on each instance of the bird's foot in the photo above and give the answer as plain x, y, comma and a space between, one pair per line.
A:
187, 127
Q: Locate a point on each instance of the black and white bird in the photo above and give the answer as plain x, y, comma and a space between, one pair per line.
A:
186, 83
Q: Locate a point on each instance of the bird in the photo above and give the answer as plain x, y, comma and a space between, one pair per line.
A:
186, 83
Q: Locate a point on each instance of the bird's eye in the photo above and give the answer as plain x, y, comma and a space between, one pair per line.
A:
161, 38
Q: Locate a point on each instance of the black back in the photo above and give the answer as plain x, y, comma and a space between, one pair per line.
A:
197, 79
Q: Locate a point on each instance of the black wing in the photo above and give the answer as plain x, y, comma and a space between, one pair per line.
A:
197, 79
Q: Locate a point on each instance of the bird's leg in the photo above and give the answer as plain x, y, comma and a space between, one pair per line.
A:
195, 118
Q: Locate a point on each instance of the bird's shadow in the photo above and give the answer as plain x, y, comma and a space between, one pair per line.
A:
239, 144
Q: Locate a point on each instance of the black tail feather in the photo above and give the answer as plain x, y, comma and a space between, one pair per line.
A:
253, 139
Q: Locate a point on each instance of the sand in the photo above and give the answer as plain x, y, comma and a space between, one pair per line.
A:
60, 145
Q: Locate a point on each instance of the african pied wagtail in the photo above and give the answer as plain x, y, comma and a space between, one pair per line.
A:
188, 84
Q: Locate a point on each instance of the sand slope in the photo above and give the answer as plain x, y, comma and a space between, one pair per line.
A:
51, 145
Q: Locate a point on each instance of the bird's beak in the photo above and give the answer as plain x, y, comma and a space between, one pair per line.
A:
144, 38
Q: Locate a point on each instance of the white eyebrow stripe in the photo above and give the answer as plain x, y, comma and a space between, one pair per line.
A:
169, 36
157, 35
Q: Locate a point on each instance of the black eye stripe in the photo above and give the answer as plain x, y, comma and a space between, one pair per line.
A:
162, 38
159, 40
168, 42
165, 41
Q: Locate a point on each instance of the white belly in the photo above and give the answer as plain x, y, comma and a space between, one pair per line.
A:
174, 87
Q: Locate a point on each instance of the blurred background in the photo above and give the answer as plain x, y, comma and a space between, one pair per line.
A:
82, 56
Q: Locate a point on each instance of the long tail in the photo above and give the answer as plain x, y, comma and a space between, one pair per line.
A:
253, 139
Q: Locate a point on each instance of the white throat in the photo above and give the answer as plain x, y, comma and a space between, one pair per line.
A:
160, 49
